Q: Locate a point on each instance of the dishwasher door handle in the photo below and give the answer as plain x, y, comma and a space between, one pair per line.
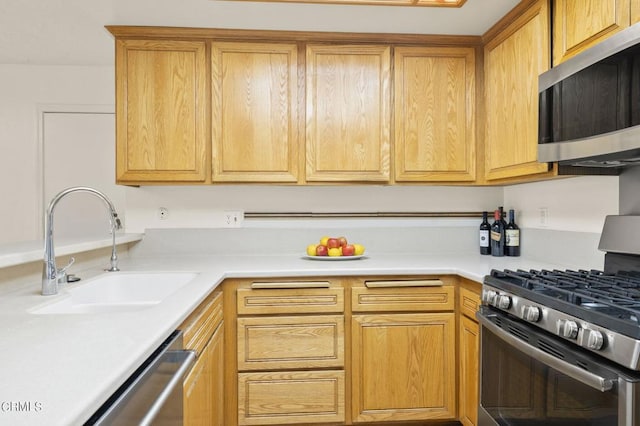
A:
153, 394
185, 359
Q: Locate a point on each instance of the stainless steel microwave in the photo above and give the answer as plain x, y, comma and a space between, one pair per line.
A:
589, 106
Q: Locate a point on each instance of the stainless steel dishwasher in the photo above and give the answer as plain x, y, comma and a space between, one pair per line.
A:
153, 394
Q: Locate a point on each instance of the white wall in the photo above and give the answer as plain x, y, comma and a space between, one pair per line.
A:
573, 204
24, 90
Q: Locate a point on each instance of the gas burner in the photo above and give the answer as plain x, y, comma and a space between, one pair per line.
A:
613, 295
608, 300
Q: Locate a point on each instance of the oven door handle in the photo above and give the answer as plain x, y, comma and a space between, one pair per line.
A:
592, 380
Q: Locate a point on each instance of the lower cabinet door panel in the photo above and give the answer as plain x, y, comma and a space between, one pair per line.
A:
403, 367
468, 372
291, 397
198, 392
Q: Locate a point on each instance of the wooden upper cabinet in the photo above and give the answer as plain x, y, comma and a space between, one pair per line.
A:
348, 113
434, 114
634, 11
579, 24
254, 112
161, 110
514, 59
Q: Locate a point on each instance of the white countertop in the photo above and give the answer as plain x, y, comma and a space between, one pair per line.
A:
60, 368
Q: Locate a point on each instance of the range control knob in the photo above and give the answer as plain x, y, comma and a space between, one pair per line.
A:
567, 328
530, 313
489, 297
590, 339
503, 301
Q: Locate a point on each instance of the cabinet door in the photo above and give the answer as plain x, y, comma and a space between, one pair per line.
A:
217, 377
204, 386
469, 355
513, 61
434, 105
254, 120
634, 11
161, 130
348, 113
403, 367
198, 391
579, 24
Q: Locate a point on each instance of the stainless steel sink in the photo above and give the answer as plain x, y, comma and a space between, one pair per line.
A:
117, 291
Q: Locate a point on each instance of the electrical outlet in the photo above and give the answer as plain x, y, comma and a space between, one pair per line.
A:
163, 213
544, 216
233, 218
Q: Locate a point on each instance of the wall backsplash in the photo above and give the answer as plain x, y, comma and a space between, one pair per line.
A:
202, 207
573, 204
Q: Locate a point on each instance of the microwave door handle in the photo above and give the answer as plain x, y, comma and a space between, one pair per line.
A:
592, 380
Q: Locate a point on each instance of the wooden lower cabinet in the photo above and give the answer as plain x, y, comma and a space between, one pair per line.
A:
291, 342
468, 370
288, 356
468, 352
203, 388
291, 397
403, 367
351, 350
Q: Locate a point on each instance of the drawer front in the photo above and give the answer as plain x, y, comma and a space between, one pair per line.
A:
291, 397
198, 328
469, 302
290, 342
402, 299
290, 301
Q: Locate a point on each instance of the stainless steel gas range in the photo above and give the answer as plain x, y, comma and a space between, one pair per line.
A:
562, 347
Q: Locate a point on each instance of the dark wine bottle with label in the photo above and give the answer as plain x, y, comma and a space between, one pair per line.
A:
512, 233
485, 230
497, 235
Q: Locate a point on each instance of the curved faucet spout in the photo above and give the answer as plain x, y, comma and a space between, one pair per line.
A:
51, 275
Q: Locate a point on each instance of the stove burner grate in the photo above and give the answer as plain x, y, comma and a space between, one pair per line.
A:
590, 295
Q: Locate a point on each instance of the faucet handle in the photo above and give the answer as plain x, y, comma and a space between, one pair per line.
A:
61, 274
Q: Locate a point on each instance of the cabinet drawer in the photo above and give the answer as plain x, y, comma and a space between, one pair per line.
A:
291, 397
290, 300
200, 325
290, 342
469, 302
403, 299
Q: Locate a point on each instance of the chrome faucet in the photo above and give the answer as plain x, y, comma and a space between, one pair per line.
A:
51, 275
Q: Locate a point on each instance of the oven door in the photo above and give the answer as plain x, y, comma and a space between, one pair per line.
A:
529, 377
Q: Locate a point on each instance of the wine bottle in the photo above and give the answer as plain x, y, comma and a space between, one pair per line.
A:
502, 216
485, 229
497, 235
512, 233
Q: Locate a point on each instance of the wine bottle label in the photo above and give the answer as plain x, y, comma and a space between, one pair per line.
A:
513, 237
484, 238
495, 236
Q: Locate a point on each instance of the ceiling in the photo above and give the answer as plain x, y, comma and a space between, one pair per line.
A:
71, 32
